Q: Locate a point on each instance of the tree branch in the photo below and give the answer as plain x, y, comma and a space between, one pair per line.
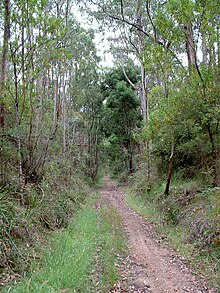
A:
122, 9
151, 21
128, 79
140, 29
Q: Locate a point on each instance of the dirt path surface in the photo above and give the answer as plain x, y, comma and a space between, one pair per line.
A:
150, 266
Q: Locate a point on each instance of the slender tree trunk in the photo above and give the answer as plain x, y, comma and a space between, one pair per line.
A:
130, 164
64, 114
218, 52
167, 189
30, 73
96, 156
143, 91
141, 48
214, 156
6, 37
56, 113
18, 131
144, 100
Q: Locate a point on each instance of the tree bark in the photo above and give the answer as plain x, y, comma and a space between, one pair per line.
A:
64, 114
4, 60
218, 53
144, 100
141, 48
190, 46
167, 189
18, 125
214, 156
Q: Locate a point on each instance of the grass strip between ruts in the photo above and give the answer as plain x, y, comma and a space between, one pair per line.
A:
112, 244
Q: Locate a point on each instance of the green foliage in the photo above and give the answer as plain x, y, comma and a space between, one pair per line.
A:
121, 120
62, 117
47, 206
51, 105
191, 121
69, 259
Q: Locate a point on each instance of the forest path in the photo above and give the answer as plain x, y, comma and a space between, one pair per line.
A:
150, 265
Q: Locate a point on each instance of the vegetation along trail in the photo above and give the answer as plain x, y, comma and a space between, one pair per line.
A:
150, 266
124, 88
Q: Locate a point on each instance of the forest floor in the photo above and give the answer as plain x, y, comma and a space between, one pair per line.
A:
150, 264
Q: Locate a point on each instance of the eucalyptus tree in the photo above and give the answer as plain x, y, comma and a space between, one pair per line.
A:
177, 45
52, 65
137, 33
195, 26
6, 35
124, 17
34, 41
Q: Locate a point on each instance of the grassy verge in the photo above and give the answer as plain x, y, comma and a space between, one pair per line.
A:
69, 260
46, 206
205, 261
146, 209
67, 264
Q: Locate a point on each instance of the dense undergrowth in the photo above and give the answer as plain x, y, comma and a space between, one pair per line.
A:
47, 206
188, 218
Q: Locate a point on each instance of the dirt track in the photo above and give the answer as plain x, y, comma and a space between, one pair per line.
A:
150, 266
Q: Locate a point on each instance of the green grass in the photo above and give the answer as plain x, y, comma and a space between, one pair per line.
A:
69, 260
67, 264
112, 243
143, 207
176, 235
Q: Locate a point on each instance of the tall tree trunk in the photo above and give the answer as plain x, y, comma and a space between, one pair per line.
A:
64, 114
144, 100
190, 46
141, 48
30, 73
18, 125
218, 53
4, 60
